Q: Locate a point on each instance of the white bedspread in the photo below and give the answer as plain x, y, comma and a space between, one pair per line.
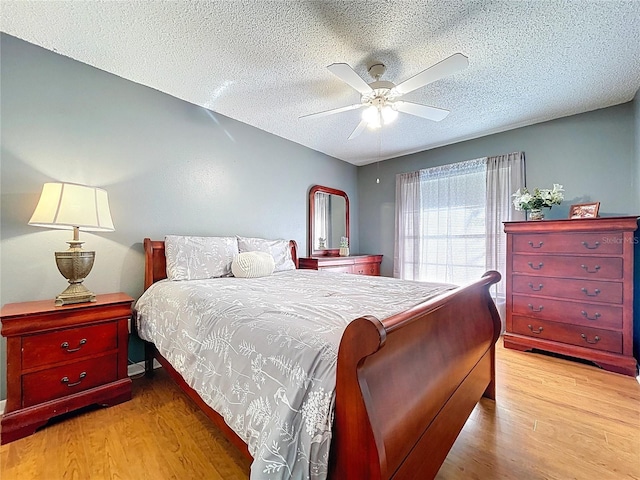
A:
262, 352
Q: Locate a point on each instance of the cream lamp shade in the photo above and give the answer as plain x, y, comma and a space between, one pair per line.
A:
67, 205
73, 207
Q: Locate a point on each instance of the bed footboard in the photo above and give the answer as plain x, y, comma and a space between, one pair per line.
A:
406, 386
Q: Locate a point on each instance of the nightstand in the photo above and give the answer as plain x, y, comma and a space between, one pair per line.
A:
63, 358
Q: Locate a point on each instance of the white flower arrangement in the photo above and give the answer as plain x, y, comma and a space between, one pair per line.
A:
541, 197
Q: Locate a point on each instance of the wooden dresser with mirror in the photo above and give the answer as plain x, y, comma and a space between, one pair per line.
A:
328, 223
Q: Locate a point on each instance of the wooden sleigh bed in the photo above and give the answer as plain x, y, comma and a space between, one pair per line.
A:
405, 385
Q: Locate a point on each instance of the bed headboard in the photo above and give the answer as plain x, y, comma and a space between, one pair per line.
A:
155, 263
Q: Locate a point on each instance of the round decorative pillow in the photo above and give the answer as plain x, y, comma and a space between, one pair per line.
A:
252, 265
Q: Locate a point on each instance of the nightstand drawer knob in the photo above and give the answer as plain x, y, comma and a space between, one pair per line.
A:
536, 330
533, 246
66, 380
534, 288
65, 346
595, 245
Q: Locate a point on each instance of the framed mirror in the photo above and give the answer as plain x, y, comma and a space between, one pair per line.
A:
328, 220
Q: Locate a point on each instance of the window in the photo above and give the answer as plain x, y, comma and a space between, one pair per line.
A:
448, 244
449, 219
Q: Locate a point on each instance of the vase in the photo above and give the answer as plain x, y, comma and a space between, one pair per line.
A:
344, 251
536, 214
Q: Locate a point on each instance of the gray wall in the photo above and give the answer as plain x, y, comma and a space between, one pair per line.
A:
168, 166
592, 155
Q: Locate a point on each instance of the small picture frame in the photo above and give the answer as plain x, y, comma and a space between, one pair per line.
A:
584, 210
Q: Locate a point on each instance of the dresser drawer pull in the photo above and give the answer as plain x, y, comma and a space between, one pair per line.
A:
595, 245
539, 267
586, 315
595, 293
586, 269
537, 331
65, 346
534, 288
540, 308
596, 339
66, 380
533, 246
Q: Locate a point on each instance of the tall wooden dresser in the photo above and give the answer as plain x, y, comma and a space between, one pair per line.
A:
570, 289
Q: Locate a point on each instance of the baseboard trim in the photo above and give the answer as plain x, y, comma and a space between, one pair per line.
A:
136, 369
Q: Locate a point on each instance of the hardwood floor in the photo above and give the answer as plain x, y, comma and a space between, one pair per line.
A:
553, 419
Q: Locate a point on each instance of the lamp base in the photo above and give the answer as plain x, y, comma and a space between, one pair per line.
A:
75, 293
75, 264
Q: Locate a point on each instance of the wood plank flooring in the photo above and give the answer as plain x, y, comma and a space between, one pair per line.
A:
553, 419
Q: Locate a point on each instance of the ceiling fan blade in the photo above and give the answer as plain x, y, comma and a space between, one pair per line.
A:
345, 73
446, 67
424, 111
361, 126
334, 110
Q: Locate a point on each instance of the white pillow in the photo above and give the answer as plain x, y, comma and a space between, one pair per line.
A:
195, 258
278, 249
252, 265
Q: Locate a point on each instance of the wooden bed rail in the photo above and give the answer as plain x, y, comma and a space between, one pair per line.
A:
413, 379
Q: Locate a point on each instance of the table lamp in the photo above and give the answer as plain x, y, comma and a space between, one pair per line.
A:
71, 206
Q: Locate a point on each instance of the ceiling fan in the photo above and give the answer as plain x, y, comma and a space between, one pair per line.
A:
380, 99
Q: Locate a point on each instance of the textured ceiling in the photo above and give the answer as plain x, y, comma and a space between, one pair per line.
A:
264, 62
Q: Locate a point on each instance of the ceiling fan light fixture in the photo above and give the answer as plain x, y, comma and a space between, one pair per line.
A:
389, 114
371, 115
378, 115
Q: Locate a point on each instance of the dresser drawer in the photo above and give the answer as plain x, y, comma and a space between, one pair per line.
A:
339, 269
587, 290
609, 268
54, 347
578, 313
65, 380
367, 269
594, 338
582, 243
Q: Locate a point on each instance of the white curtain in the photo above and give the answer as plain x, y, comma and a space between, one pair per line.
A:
449, 219
441, 228
505, 175
406, 258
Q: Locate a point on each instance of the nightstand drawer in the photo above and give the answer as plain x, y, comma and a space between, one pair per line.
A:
50, 348
68, 379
